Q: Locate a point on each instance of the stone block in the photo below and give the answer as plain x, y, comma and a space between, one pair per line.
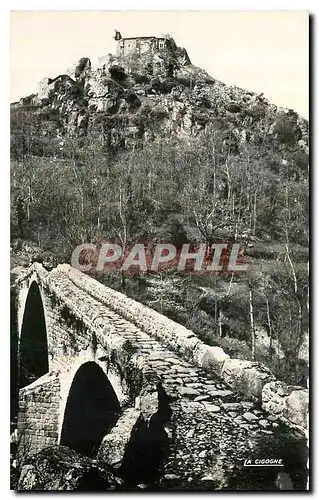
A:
188, 392
246, 376
210, 358
114, 444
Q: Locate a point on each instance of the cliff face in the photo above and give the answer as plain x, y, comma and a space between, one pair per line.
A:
140, 97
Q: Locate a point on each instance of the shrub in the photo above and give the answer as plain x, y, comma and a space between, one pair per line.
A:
159, 112
139, 78
81, 66
286, 129
117, 73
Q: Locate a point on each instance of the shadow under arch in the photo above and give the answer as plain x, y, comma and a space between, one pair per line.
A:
92, 409
33, 346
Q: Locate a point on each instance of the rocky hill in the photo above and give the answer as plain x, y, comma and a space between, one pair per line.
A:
160, 93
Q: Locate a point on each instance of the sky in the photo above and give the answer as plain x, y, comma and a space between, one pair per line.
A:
260, 51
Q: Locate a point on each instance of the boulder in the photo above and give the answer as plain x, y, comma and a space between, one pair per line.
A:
296, 410
58, 468
288, 401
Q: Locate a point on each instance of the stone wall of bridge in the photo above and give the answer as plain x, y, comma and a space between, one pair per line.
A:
167, 383
38, 415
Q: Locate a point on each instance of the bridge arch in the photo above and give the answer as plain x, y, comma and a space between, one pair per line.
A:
33, 344
92, 409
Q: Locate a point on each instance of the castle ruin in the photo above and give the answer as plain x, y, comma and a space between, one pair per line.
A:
140, 45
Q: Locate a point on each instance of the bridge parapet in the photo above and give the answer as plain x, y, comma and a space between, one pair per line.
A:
245, 376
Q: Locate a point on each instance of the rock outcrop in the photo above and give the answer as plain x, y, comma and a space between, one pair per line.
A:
160, 93
290, 402
58, 468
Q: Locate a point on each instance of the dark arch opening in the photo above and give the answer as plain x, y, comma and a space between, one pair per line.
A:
33, 349
92, 409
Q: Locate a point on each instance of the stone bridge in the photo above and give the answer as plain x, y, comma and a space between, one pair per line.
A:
112, 379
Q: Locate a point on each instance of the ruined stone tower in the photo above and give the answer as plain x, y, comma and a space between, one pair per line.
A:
140, 45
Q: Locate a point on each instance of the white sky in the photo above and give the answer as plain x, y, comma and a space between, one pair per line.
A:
262, 51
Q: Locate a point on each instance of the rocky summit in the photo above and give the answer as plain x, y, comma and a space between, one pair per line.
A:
149, 90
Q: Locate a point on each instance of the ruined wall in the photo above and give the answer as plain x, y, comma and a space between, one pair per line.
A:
44, 88
140, 46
